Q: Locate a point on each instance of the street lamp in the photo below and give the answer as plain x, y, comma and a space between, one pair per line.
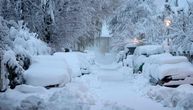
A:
167, 23
135, 41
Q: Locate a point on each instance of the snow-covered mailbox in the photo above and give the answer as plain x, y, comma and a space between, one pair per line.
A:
103, 42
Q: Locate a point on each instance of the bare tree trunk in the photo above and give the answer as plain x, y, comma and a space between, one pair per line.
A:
3, 80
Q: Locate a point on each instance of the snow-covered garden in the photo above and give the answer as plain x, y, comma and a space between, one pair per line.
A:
96, 55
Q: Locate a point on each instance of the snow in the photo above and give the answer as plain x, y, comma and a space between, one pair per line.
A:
105, 31
149, 50
128, 61
187, 80
138, 61
26, 42
183, 69
166, 58
30, 89
47, 70
179, 98
106, 59
166, 64
56, 69
108, 87
182, 4
121, 92
75, 61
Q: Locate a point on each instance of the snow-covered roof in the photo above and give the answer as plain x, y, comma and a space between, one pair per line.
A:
105, 30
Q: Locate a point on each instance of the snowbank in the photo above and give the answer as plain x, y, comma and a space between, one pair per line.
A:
47, 70
180, 98
30, 89
11, 99
25, 97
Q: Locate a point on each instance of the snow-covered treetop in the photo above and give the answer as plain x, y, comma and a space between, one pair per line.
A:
105, 32
176, 5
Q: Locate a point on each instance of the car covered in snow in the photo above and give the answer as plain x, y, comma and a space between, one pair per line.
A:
148, 50
77, 62
141, 53
167, 70
57, 69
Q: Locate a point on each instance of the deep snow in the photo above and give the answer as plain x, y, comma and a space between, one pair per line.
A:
108, 87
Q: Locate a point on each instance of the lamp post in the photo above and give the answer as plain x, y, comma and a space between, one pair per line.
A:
167, 23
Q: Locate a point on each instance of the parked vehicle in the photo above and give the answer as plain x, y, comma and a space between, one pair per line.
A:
142, 53
167, 70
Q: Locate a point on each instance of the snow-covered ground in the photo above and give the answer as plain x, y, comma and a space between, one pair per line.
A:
108, 87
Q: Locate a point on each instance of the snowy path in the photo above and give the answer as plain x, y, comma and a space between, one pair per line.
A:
115, 88
108, 87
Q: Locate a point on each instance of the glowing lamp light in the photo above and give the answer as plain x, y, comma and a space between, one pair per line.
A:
135, 41
167, 22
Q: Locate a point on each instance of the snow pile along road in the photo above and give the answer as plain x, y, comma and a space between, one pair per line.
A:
180, 98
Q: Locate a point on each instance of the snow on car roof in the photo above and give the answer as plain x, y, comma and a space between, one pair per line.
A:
166, 58
184, 69
149, 49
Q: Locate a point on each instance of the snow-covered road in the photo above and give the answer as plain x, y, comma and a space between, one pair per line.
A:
108, 87
118, 88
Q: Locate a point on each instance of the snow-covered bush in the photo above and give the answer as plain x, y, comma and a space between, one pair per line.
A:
26, 42
12, 69
23, 44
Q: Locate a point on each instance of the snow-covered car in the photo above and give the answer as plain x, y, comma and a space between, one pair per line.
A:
148, 50
167, 70
48, 71
77, 62
56, 70
141, 53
